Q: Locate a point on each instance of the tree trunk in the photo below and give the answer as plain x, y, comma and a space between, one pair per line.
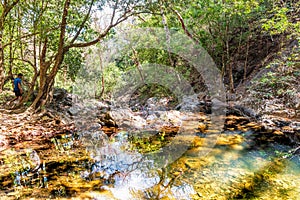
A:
168, 35
49, 67
246, 61
43, 96
2, 76
47, 80
231, 82
228, 60
138, 64
31, 88
102, 75
6, 8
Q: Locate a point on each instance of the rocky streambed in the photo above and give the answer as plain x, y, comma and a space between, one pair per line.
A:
97, 150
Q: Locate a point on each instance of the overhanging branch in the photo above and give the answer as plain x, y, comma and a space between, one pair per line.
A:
122, 18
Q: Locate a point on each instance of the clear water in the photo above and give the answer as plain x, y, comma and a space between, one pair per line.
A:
244, 163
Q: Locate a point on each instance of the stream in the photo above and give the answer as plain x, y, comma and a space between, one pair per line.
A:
242, 161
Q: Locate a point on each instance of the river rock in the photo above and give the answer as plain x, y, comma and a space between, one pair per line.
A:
74, 110
159, 119
156, 104
125, 118
59, 94
189, 103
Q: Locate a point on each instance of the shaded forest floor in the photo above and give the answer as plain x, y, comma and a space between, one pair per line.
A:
20, 131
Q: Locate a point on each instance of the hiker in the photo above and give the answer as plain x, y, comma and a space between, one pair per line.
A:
17, 86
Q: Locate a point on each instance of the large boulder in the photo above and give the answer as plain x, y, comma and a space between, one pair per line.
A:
189, 103
123, 118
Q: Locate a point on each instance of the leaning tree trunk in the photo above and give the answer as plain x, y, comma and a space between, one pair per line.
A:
47, 80
43, 96
2, 75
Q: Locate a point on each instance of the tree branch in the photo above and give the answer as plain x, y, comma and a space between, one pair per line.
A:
183, 24
114, 13
103, 34
8, 8
83, 22
61, 50
30, 35
26, 61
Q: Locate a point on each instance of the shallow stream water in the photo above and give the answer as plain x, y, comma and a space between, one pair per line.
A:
245, 162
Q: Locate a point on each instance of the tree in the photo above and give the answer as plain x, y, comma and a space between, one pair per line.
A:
48, 30
217, 25
5, 9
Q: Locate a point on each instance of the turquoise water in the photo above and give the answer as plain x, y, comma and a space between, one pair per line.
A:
245, 162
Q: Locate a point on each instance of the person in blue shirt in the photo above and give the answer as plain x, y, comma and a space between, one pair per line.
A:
17, 85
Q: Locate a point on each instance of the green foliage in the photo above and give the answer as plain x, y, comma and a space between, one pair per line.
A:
112, 77
214, 22
35, 39
211, 23
33, 25
282, 18
88, 80
147, 91
280, 83
73, 62
278, 23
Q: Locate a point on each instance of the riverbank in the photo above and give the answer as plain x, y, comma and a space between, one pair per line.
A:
47, 157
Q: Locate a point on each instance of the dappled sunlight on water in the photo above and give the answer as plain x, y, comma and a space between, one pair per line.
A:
244, 163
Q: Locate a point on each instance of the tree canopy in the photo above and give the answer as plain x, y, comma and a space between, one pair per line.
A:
45, 39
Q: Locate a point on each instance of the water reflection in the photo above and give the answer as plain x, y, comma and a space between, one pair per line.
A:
127, 173
245, 163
